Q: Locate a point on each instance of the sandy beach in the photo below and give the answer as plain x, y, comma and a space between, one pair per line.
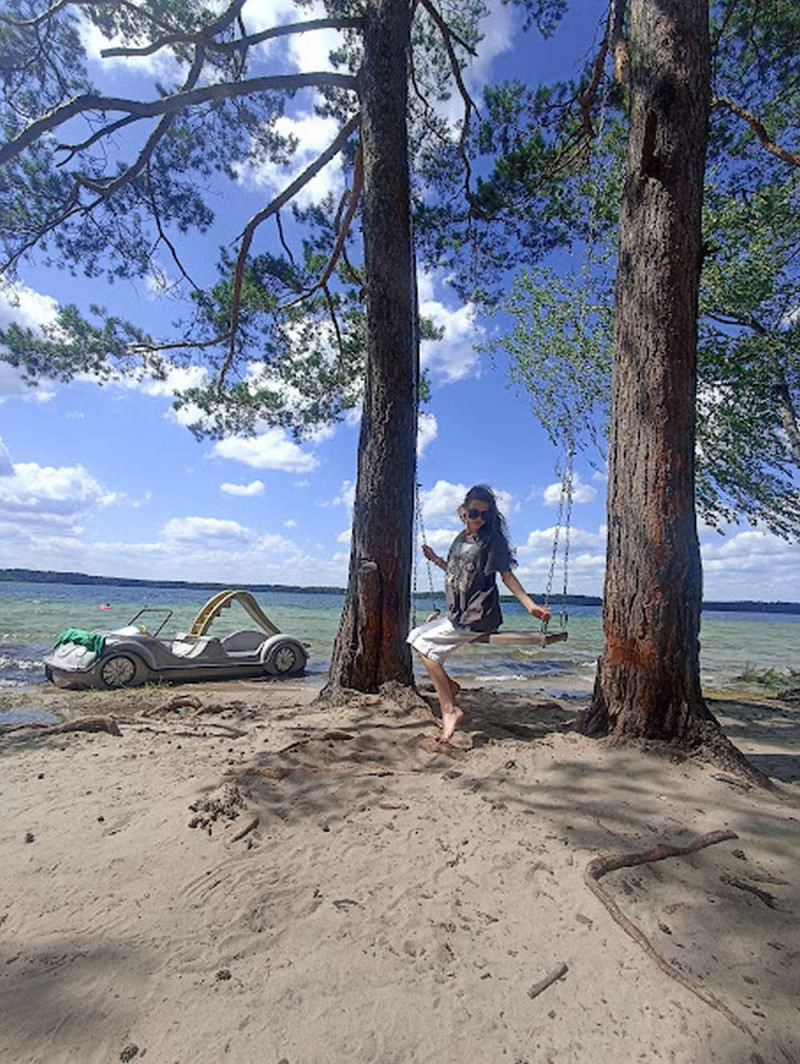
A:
245, 875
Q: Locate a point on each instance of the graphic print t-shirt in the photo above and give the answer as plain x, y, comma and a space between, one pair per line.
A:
473, 601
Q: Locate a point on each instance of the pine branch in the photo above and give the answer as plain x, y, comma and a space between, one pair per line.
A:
105, 131
110, 187
200, 37
282, 238
614, 40
45, 16
448, 37
162, 236
786, 156
242, 43
332, 312
355, 192
272, 208
169, 104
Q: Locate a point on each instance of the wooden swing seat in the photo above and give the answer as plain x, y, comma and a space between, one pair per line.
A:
536, 639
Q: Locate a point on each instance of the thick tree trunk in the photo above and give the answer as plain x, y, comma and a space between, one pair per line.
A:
648, 682
370, 647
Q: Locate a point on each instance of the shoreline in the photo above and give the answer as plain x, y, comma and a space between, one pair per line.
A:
47, 577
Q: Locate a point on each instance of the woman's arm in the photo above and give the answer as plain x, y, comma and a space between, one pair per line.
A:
432, 556
522, 596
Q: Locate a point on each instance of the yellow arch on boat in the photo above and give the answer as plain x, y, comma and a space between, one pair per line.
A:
223, 600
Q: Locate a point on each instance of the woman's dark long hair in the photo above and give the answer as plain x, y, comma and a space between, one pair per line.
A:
496, 525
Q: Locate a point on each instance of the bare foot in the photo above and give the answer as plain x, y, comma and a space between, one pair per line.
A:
454, 688
451, 718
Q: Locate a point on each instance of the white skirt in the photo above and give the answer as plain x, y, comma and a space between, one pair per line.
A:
437, 639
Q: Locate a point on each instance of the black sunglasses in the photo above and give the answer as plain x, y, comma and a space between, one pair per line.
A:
473, 515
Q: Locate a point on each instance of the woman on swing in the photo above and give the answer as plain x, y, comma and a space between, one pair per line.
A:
473, 602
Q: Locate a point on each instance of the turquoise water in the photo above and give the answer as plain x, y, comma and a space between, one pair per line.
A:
31, 615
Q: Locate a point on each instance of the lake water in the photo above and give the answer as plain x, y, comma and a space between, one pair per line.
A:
32, 615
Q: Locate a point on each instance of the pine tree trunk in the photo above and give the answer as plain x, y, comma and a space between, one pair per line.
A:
370, 647
648, 682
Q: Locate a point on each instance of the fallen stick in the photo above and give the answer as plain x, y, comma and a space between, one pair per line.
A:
601, 866
145, 724
245, 830
328, 735
741, 884
548, 980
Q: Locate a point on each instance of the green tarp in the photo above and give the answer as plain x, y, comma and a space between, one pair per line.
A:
90, 640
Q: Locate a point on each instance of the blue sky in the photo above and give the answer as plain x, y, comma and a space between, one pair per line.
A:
109, 481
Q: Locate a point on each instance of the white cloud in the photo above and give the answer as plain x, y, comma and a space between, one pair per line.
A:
6, 468
442, 501
176, 379
453, 358
255, 487
291, 523
541, 540
206, 531
30, 310
161, 64
345, 536
581, 492
25, 306
270, 449
194, 548
753, 552
426, 431
346, 496
497, 27
314, 134
46, 499
353, 417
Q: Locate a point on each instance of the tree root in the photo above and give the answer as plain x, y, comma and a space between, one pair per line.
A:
601, 866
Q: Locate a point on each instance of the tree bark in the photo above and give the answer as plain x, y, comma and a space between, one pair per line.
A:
648, 682
370, 647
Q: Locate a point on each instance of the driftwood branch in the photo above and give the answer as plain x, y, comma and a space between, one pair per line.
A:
272, 208
245, 830
106, 724
790, 157
601, 866
168, 104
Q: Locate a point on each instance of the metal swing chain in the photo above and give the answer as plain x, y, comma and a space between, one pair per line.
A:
423, 537
567, 478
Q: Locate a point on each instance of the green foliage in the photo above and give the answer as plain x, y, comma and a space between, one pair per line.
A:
550, 189
112, 196
772, 679
558, 351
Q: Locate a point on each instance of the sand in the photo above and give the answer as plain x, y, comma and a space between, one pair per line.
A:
255, 878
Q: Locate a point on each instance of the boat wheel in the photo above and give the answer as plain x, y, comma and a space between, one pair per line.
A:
286, 659
118, 670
